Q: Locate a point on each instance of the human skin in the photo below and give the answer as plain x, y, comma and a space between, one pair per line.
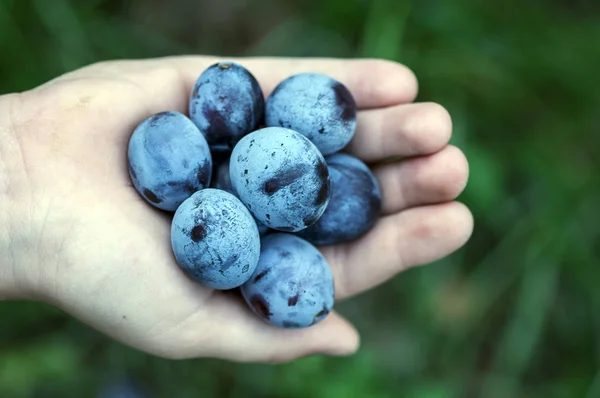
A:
75, 234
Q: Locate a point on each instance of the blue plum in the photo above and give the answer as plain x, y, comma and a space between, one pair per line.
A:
169, 159
317, 106
281, 177
292, 285
354, 206
222, 180
226, 103
215, 239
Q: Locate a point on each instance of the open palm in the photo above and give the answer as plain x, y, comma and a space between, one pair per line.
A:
105, 254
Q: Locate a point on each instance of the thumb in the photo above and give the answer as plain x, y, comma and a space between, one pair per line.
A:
233, 332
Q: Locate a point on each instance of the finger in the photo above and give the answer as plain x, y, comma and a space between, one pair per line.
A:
436, 178
168, 81
402, 130
397, 242
233, 332
373, 83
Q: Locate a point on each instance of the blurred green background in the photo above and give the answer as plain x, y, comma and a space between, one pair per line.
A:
515, 313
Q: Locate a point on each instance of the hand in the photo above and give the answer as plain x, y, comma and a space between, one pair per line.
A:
82, 238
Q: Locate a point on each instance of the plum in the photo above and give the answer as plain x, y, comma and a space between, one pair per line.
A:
354, 205
292, 285
169, 159
215, 239
226, 103
317, 106
281, 177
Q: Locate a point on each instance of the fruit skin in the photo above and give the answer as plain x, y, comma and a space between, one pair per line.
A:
215, 239
281, 177
292, 286
221, 180
317, 106
168, 160
354, 206
226, 103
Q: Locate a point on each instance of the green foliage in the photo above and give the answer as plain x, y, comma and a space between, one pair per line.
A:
516, 313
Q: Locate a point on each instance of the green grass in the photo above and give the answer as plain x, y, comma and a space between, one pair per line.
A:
516, 313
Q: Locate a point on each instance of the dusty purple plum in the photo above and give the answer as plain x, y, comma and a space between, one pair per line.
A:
281, 177
215, 239
354, 206
226, 103
317, 106
292, 285
168, 160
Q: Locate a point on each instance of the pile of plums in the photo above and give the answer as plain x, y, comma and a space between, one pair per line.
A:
255, 184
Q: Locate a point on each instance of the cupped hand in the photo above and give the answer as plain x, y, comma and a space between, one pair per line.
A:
98, 251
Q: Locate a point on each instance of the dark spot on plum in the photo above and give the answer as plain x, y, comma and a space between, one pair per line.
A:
266, 167
247, 182
154, 120
152, 196
268, 216
285, 178
246, 172
284, 254
345, 101
261, 275
246, 268
260, 306
272, 154
281, 122
322, 130
290, 324
218, 132
230, 261
281, 144
198, 233
292, 301
184, 186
